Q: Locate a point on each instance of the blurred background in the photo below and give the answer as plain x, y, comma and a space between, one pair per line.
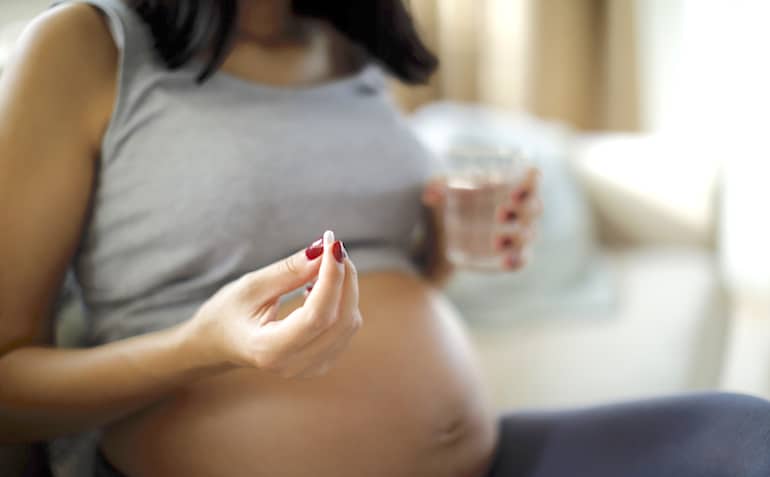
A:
651, 274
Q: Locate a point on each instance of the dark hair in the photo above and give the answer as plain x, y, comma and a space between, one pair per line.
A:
183, 29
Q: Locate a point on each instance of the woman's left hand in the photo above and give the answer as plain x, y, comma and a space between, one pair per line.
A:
523, 208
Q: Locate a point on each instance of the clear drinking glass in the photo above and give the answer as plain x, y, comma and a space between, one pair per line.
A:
480, 183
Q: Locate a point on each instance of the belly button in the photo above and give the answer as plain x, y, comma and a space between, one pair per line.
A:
452, 431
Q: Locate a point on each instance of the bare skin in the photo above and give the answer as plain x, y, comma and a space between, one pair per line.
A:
404, 399
223, 389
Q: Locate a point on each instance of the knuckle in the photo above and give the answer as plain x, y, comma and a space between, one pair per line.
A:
355, 321
289, 265
236, 286
229, 287
249, 278
350, 326
245, 283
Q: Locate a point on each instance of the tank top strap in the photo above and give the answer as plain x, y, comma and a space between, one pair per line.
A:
137, 61
130, 33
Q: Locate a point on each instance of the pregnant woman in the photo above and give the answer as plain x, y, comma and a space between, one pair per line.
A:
184, 157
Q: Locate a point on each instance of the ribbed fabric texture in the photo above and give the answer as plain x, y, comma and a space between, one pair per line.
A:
201, 183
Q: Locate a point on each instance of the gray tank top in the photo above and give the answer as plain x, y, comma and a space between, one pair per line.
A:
199, 184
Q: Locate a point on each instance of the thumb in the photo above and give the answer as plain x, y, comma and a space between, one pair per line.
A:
281, 277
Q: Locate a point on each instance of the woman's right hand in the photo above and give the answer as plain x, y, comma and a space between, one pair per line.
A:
238, 325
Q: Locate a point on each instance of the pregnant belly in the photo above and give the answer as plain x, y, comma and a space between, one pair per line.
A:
404, 400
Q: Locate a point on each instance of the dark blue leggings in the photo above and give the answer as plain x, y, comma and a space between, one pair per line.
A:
707, 435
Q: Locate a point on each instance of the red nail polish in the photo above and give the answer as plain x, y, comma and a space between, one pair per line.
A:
309, 288
505, 242
511, 216
315, 249
337, 251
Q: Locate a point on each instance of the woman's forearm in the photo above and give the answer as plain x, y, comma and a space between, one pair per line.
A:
47, 392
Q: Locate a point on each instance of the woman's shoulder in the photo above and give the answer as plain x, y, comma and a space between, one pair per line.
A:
73, 39
68, 53
74, 28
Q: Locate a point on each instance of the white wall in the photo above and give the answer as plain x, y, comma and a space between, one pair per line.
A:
13, 10
660, 26
703, 64
706, 81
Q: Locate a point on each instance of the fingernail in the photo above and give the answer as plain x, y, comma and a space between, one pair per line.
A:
309, 288
506, 214
315, 249
337, 251
504, 243
328, 237
523, 195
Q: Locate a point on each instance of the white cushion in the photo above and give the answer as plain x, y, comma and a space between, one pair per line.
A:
664, 335
650, 188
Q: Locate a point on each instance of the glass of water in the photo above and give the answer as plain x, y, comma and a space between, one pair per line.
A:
480, 181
